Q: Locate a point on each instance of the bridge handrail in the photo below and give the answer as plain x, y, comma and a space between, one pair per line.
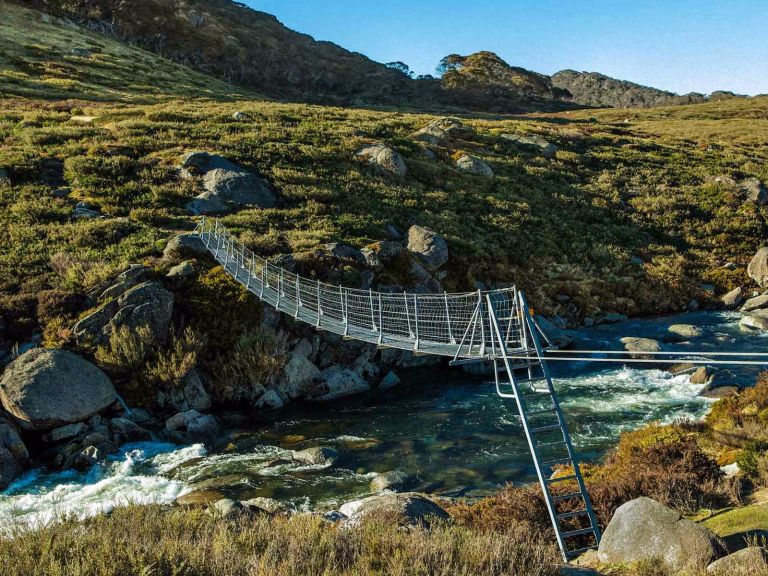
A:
451, 324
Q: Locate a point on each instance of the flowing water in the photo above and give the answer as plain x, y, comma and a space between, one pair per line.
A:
448, 431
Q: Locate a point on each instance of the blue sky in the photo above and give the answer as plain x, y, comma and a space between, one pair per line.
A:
678, 45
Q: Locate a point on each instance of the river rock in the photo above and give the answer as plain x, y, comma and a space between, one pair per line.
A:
751, 561
44, 389
756, 303
643, 529
262, 504
639, 345
430, 246
191, 393
389, 381
755, 321
555, 335
147, 306
9, 468
384, 160
718, 391
336, 382
408, 509
544, 147
126, 430
682, 332
702, 375
203, 429
393, 480
227, 186
758, 267
181, 420
270, 399
298, 375
316, 456
66, 432
732, 298
474, 165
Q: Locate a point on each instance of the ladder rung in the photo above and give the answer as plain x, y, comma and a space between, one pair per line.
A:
565, 515
541, 411
567, 496
574, 533
579, 551
547, 444
558, 461
546, 428
560, 479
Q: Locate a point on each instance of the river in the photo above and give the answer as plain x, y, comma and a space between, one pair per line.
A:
448, 431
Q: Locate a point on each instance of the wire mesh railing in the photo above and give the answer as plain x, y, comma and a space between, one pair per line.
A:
455, 324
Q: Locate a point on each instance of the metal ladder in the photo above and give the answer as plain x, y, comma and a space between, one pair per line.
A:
545, 427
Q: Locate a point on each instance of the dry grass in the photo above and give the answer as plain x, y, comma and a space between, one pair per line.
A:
151, 540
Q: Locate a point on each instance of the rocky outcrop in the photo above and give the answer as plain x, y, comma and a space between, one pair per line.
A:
336, 382
383, 159
758, 267
443, 131
191, 426
474, 165
191, 393
643, 529
534, 141
408, 509
43, 389
430, 246
298, 375
148, 306
752, 561
227, 187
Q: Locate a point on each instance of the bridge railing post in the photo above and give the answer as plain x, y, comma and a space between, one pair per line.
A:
451, 339
482, 322
345, 310
381, 325
416, 320
319, 304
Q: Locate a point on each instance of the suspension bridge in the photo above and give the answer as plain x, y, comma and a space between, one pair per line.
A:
491, 326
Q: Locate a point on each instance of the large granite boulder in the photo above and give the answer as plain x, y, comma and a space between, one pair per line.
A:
474, 165
148, 305
554, 334
430, 246
643, 529
44, 389
752, 561
298, 375
758, 267
227, 186
336, 382
383, 159
408, 509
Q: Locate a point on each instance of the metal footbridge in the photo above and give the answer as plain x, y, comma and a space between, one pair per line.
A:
495, 326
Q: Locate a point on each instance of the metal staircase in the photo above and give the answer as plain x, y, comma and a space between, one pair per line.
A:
525, 378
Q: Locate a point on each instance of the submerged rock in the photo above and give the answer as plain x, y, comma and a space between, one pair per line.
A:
643, 529
317, 456
44, 389
393, 480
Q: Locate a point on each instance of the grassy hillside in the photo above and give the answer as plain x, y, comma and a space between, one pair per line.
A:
46, 57
627, 216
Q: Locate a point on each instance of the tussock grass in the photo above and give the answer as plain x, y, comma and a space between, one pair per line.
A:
151, 540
